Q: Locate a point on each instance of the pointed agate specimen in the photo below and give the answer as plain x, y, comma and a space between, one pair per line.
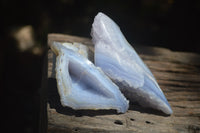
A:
80, 84
118, 59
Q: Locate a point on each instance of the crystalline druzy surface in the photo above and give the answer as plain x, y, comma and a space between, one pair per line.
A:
81, 85
118, 59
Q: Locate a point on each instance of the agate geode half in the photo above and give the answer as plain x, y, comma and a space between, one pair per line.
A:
81, 85
118, 59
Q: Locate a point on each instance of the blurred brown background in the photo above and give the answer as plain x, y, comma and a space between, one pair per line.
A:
25, 24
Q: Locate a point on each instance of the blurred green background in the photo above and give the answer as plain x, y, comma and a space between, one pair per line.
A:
25, 24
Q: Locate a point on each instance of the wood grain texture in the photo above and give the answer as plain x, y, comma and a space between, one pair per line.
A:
178, 74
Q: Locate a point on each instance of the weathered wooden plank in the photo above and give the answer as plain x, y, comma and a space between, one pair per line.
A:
181, 77
185, 104
176, 72
171, 67
174, 84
